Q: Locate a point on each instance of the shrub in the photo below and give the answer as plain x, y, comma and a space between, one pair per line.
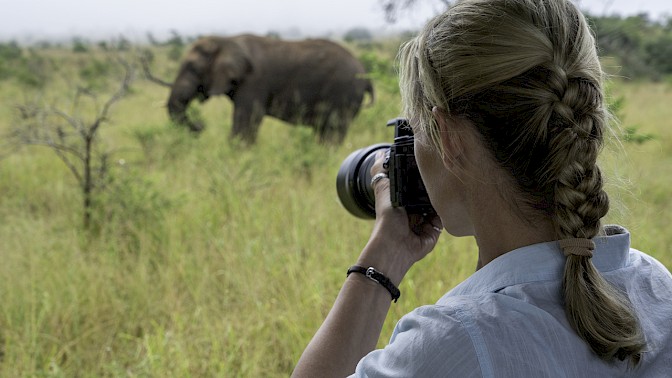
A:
358, 35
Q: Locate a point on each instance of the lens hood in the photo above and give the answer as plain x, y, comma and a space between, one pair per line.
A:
353, 182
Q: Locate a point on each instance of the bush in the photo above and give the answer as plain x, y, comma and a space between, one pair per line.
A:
381, 69
79, 45
358, 35
10, 57
10, 51
659, 54
95, 73
131, 205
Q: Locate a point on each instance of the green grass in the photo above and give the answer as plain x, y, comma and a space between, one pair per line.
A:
640, 176
219, 260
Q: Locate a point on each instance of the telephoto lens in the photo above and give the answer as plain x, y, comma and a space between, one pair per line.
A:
353, 182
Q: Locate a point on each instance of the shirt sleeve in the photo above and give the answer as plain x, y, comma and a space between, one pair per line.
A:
430, 341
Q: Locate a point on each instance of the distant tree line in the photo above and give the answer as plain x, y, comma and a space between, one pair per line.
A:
640, 46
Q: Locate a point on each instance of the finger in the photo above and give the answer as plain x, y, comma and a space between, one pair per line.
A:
422, 225
381, 190
377, 166
436, 223
429, 234
431, 229
380, 183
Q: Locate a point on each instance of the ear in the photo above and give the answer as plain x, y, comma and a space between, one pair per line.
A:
452, 140
246, 67
241, 60
230, 70
240, 67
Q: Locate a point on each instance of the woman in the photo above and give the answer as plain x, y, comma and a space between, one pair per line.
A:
505, 98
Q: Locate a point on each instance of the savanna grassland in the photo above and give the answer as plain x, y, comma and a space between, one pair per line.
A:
208, 258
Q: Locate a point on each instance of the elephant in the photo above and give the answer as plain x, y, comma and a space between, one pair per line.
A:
314, 82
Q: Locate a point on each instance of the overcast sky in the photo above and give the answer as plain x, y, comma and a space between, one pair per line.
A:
94, 19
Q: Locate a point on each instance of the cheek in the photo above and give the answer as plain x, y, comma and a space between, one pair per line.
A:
445, 190
429, 165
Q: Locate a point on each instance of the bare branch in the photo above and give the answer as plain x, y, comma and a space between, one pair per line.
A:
74, 122
60, 150
393, 8
68, 163
27, 111
123, 89
55, 146
145, 59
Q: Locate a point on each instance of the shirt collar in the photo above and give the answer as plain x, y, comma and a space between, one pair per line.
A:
543, 262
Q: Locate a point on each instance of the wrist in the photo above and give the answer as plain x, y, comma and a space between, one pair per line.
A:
378, 277
391, 263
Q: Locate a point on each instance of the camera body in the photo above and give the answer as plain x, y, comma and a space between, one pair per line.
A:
407, 190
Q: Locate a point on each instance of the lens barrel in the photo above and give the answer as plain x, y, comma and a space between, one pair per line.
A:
353, 182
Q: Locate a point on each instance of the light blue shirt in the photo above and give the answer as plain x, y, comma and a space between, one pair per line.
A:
508, 320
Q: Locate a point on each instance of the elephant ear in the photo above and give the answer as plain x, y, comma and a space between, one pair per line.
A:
231, 67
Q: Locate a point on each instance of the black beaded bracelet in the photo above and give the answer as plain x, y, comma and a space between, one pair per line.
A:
379, 277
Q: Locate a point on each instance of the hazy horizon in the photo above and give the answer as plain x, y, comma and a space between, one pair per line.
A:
133, 20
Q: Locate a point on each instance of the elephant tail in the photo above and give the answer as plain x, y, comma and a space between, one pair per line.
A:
369, 89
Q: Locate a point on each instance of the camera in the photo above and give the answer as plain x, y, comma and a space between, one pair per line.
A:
353, 182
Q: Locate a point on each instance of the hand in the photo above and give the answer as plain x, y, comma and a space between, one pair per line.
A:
398, 239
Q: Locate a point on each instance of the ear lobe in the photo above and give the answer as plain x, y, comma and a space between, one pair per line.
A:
451, 139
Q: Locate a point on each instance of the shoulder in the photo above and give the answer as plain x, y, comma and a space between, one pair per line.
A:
483, 335
454, 338
648, 286
639, 259
429, 341
643, 275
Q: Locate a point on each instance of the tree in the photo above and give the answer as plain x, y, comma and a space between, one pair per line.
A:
392, 8
10, 57
660, 54
640, 44
74, 141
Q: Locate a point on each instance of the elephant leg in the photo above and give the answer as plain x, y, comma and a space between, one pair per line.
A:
247, 117
333, 128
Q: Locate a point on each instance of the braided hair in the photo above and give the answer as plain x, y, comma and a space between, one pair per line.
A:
527, 75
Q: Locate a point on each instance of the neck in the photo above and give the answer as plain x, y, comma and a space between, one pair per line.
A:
499, 228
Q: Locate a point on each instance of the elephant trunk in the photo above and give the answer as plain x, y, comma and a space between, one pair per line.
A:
177, 107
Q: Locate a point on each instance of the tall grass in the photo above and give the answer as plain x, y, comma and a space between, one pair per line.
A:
215, 259
641, 179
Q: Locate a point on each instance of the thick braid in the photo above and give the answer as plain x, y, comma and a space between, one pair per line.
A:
575, 126
597, 311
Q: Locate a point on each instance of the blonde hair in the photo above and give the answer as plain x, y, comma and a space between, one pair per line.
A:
527, 75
